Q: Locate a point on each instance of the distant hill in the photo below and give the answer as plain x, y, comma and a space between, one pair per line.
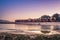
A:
4, 21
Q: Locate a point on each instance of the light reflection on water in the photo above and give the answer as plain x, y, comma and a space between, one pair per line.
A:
17, 28
28, 27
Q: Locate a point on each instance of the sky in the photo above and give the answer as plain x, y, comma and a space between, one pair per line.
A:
24, 9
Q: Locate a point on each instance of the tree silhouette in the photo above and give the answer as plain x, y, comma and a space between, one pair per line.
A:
57, 16
45, 18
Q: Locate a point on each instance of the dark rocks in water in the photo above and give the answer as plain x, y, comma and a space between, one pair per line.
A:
9, 36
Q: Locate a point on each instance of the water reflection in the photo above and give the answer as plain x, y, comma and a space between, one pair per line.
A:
45, 29
30, 28
38, 28
56, 27
33, 27
7, 26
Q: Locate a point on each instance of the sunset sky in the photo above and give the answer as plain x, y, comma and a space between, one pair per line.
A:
23, 9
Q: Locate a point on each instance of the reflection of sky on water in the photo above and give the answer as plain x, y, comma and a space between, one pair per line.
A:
45, 27
37, 28
28, 28
56, 27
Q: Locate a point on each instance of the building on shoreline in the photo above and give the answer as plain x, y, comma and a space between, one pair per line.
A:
28, 20
52, 19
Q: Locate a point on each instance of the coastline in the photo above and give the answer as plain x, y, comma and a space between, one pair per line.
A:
32, 23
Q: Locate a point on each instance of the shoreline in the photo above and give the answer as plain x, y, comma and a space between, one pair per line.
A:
32, 23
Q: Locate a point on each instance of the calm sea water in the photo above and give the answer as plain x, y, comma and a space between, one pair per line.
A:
17, 28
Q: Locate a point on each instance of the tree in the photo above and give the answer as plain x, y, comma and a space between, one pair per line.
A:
45, 18
57, 16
